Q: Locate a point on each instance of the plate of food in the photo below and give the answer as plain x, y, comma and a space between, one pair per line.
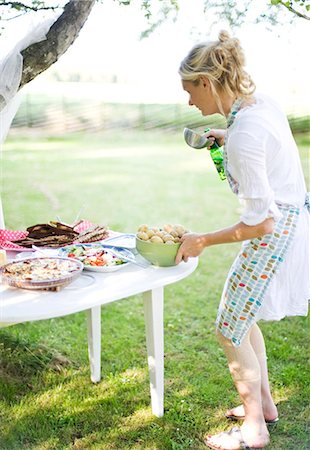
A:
95, 257
41, 273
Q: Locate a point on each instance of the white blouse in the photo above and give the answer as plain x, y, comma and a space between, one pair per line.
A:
264, 159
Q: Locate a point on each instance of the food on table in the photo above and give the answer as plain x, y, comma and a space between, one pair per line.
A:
56, 227
92, 234
39, 269
159, 245
58, 234
52, 234
168, 234
93, 256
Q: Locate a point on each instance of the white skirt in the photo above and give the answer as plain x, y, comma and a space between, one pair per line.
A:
289, 291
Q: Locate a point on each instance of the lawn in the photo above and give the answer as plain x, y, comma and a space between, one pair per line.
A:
47, 400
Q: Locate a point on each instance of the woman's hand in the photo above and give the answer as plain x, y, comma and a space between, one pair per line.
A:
216, 134
192, 244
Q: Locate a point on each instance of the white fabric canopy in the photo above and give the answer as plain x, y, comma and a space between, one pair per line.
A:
35, 27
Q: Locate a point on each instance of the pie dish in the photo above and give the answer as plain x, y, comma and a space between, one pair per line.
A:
41, 273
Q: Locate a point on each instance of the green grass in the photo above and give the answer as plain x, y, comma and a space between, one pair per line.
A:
47, 400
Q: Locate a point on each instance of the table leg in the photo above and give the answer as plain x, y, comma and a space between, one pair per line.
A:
153, 310
94, 342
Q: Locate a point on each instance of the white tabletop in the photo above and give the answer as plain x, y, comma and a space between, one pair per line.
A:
89, 290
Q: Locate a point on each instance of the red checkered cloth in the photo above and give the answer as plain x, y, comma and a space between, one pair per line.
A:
83, 226
7, 237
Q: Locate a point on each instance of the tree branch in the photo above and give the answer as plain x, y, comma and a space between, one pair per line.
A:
41, 55
19, 5
294, 11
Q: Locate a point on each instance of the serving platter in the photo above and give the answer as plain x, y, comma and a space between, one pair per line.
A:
50, 273
95, 257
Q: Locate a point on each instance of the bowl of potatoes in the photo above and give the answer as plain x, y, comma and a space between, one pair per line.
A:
159, 245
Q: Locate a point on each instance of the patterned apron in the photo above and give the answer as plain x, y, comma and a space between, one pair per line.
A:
254, 268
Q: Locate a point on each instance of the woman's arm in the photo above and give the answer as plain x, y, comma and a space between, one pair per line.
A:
194, 243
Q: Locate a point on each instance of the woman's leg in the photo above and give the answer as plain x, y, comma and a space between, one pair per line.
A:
258, 344
269, 409
246, 373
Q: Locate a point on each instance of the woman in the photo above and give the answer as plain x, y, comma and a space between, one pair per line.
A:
269, 278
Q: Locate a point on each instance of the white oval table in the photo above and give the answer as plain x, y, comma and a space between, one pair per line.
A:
88, 293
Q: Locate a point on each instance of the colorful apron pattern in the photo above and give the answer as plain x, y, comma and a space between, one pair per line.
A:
251, 274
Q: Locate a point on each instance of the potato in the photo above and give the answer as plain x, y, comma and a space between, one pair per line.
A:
180, 230
143, 228
156, 239
142, 235
168, 234
168, 227
167, 237
150, 233
160, 234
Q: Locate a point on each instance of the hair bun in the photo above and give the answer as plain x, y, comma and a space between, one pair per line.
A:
224, 36
222, 62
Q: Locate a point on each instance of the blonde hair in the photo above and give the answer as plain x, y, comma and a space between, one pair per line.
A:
222, 62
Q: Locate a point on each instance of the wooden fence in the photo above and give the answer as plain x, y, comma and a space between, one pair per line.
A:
65, 115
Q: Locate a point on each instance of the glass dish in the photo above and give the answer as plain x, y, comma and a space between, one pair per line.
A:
51, 273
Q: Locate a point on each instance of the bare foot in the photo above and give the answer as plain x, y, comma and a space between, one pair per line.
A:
255, 434
270, 413
224, 440
235, 439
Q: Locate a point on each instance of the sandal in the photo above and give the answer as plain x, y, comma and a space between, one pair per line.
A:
237, 435
235, 418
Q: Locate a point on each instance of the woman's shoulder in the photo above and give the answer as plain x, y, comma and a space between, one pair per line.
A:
259, 104
261, 118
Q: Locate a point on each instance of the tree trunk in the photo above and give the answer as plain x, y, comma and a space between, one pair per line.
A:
41, 55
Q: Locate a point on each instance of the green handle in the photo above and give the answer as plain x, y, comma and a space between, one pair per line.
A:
217, 157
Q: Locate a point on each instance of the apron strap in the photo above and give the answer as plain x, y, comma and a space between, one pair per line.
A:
307, 201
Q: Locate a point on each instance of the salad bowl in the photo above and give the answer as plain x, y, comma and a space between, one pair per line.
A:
95, 257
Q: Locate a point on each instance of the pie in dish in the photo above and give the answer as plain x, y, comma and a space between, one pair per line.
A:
41, 273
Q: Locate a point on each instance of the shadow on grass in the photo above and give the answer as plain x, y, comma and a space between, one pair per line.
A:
47, 403
20, 359
74, 413
48, 408
50, 403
